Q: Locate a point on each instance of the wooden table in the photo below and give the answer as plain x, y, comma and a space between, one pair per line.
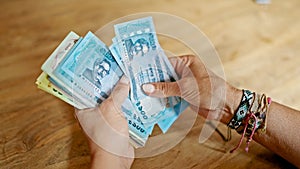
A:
258, 46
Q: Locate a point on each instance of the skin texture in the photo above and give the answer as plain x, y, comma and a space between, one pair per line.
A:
212, 98
112, 117
283, 123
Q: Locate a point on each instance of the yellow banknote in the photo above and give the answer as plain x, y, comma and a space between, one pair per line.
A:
45, 84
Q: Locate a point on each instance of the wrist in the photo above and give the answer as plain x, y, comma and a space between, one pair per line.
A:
100, 158
233, 99
104, 159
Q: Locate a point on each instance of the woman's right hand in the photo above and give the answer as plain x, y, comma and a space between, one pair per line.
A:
208, 94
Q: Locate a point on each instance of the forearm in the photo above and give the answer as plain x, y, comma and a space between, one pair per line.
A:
282, 135
283, 126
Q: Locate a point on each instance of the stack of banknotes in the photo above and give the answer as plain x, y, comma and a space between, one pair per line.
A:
83, 71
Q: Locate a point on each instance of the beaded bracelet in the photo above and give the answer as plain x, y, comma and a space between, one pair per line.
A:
242, 110
253, 120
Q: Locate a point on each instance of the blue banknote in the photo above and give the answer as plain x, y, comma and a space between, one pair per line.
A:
137, 131
172, 113
145, 62
90, 71
139, 61
116, 53
87, 72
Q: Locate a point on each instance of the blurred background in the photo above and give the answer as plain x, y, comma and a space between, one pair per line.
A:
257, 44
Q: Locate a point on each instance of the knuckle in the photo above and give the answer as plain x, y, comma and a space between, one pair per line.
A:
163, 88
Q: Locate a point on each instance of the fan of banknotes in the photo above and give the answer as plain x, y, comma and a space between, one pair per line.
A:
83, 71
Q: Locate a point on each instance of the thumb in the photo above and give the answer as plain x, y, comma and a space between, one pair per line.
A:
162, 89
121, 90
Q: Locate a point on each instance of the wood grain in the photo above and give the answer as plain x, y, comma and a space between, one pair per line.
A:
258, 46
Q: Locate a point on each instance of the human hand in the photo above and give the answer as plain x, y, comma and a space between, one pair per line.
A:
107, 131
207, 93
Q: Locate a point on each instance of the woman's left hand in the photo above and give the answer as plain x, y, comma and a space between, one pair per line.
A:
107, 130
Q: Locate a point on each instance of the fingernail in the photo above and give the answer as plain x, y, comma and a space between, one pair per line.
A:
149, 88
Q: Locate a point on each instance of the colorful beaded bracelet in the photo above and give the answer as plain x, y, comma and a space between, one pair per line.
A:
250, 116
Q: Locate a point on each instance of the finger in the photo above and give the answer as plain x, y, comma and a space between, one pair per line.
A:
182, 64
124, 80
162, 89
121, 90
177, 64
187, 59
